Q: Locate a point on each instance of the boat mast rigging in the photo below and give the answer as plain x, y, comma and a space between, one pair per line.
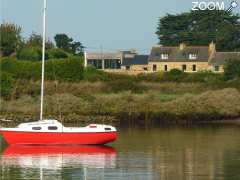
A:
43, 56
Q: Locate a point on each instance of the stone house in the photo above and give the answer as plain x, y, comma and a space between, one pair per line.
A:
189, 58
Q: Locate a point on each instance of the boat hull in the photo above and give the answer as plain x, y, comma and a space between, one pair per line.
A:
58, 138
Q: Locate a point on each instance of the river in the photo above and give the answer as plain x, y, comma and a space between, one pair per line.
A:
161, 153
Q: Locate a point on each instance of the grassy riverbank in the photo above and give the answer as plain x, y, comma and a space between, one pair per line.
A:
87, 95
95, 102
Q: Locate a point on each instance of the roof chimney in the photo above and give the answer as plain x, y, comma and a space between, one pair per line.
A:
212, 49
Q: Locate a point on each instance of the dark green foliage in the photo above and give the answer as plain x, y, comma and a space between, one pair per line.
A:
35, 40
70, 69
200, 28
67, 44
92, 74
205, 76
232, 69
6, 85
30, 53
10, 39
174, 75
63, 41
57, 53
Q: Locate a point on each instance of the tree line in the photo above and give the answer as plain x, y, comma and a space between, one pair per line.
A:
13, 44
201, 28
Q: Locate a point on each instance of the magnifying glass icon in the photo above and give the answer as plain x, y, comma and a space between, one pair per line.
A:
233, 5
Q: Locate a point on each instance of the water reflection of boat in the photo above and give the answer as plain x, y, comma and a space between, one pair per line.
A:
56, 157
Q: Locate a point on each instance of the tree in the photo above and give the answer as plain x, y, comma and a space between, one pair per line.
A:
67, 44
201, 28
77, 48
35, 40
56, 53
63, 41
232, 69
10, 38
31, 54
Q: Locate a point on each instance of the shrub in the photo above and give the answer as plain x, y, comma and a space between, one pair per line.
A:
30, 53
232, 69
56, 53
174, 75
6, 84
204, 76
92, 74
70, 69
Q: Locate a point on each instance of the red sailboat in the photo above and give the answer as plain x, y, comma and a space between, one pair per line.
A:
52, 132
49, 132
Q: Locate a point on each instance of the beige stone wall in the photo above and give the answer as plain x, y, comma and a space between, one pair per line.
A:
200, 66
136, 69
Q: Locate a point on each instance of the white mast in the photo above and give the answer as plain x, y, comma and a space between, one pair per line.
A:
43, 56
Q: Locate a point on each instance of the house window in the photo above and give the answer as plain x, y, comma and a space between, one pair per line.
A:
192, 56
127, 68
96, 63
164, 56
194, 68
154, 67
184, 67
216, 68
52, 128
112, 64
145, 68
165, 68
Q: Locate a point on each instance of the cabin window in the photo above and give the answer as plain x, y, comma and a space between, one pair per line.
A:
184, 67
108, 129
127, 68
165, 68
145, 68
164, 56
154, 67
192, 56
52, 128
36, 128
194, 68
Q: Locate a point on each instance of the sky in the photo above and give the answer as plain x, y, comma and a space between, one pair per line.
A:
108, 24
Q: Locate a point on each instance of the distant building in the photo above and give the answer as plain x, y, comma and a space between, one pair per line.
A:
104, 61
120, 62
189, 58
135, 64
219, 59
163, 58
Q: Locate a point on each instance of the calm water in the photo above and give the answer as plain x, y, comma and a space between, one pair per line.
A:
161, 153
